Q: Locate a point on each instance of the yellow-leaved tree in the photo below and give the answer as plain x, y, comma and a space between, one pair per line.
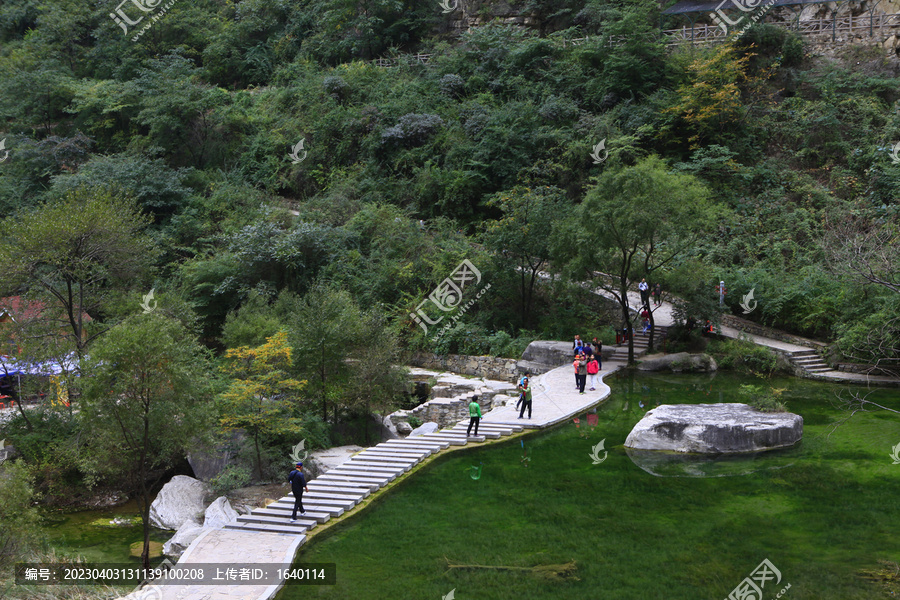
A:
261, 397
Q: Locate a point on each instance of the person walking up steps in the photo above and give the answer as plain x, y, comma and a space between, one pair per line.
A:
474, 415
298, 484
526, 402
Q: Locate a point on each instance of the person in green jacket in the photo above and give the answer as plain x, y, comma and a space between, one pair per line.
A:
474, 415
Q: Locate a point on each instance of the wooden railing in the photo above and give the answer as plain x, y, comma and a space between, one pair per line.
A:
702, 33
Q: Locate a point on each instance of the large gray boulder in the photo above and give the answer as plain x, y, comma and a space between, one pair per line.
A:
182, 499
187, 533
219, 513
424, 428
679, 362
542, 356
714, 429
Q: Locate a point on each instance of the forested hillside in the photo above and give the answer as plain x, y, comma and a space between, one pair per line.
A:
177, 140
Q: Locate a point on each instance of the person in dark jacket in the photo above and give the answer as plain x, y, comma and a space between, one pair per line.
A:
298, 484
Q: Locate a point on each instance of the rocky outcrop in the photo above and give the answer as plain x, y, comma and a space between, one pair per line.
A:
219, 513
714, 429
488, 367
543, 356
680, 362
321, 461
182, 499
424, 428
187, 533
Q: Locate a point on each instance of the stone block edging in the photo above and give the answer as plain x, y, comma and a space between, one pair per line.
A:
763, 331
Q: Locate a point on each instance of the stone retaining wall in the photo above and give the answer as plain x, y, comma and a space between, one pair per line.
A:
761, 330
489, 367
446, 412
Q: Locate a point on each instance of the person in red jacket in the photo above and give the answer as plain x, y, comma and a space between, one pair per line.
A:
593, 369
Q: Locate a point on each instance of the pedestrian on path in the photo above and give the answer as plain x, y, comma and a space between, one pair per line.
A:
575, 364
598, 346
644, 287
587, 351
657, 294
645, 314
474, 415
521, 388
577, 345
298, 484
582, 373
593, 369
526, 402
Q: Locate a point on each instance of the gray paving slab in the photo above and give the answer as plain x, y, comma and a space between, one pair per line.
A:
344, 480
344, 500
364, 474
377, 465
388, 456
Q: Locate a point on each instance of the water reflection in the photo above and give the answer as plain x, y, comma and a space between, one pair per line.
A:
676, 464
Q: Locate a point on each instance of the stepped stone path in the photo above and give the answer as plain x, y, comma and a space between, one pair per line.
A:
266, 536
804, 357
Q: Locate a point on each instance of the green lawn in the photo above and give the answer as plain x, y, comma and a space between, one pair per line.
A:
820, 513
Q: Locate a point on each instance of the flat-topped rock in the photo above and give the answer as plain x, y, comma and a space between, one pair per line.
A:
714, 429
679, 362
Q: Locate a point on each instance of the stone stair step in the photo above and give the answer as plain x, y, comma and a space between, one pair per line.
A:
405, 448
343, 500
319, 504
390, 457
365, 473
379, 465
346, 480
800, 353
338, 490
269, 528
453, 440
512, 428
494, 435
279, 509
418, 442
313, 507
301, 521
819, 369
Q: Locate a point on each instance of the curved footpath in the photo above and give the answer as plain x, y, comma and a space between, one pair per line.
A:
266, 536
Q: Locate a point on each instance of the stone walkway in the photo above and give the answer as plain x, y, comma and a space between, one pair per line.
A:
804, 357
267, 536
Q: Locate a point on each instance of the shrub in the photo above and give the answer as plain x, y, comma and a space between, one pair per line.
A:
414, 422
336, 87
412, 130
744, 355
452, 85
231, 478
762, 400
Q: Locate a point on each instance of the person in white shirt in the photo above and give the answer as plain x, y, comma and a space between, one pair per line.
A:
645, 292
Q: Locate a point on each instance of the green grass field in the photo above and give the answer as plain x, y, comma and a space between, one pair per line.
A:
821, 513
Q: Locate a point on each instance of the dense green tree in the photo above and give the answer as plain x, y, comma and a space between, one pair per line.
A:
143, 401
77, 250
635, 221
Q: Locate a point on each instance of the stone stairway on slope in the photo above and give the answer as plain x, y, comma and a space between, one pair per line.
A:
340, 489
809, 360
641, 344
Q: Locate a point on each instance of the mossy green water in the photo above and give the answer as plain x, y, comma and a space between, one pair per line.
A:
93, 536
820, 512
